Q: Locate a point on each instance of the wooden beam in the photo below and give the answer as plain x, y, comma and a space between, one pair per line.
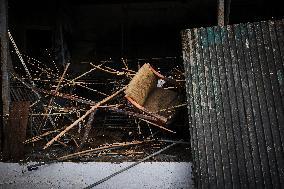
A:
5, 89
4, 56
85, 115
223, 12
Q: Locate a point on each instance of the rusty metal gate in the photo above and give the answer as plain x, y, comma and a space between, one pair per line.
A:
235, 93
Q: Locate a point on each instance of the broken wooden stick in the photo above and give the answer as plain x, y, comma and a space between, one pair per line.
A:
49, 108
83, 117
78, 77
94, 90
107, 147
39, 137
87, 130
173, 141
161, 127
52, 114
157, 116
109, 70
86, 152
62, 77
171, 108
124, 61
129, 70
133, 114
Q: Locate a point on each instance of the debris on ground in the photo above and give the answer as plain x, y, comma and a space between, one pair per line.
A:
126, 116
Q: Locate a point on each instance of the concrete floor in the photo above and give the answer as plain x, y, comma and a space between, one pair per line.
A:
79, 175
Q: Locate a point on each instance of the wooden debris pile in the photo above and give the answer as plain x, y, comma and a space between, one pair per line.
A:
63, 117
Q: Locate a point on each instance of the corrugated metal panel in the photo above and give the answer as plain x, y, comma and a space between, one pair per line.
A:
235, 93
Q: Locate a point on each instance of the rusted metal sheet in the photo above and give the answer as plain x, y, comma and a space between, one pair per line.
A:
235, 93
15, 131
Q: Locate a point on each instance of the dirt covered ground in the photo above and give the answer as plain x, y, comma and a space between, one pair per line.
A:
104, 133
101, 137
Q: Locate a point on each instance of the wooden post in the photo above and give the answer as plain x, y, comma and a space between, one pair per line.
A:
223, 12
4, 56
87, 130
5, 91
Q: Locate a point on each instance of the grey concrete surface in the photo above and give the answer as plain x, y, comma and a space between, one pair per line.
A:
79, 175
